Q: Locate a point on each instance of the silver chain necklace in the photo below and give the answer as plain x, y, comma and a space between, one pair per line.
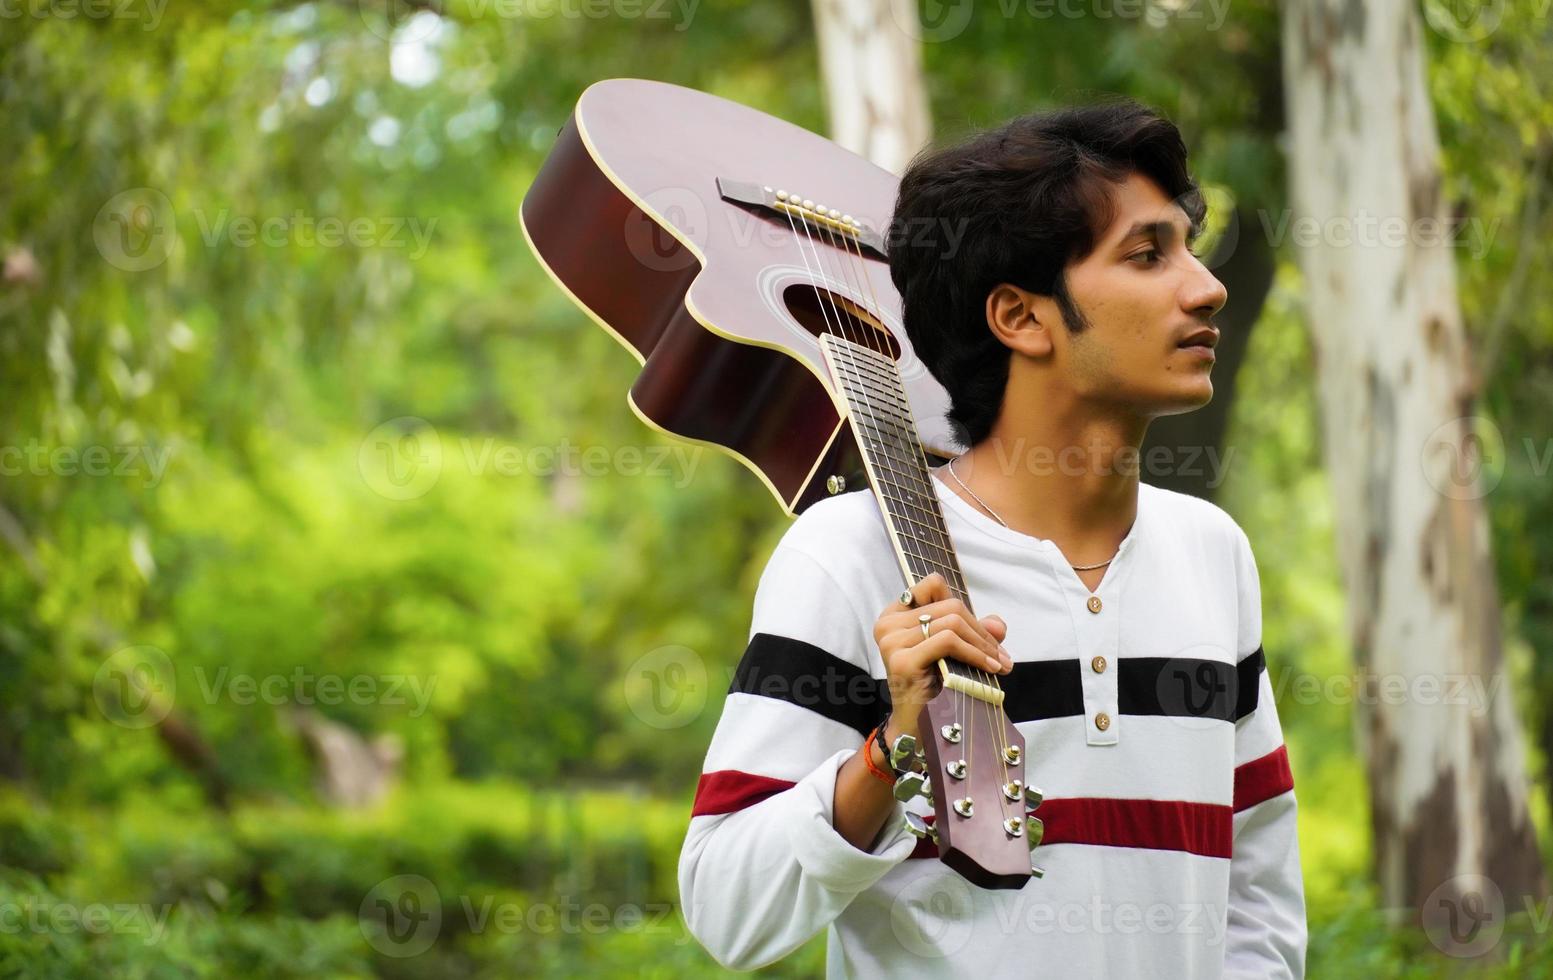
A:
1076, 568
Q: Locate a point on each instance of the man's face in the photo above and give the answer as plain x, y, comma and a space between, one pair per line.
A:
1143, 293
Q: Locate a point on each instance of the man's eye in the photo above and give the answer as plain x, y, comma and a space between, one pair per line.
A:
1149, 256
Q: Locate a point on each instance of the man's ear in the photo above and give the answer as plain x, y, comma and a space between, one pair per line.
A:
1021, 319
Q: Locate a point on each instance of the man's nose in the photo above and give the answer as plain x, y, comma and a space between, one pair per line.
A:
1203, 295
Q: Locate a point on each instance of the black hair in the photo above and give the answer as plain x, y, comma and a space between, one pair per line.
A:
1015, 204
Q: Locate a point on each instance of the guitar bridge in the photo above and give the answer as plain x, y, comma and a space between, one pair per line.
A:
776, 201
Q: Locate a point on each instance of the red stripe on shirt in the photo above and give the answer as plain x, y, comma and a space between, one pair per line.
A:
1164, 825
1262, 779
727, 790
1168, 825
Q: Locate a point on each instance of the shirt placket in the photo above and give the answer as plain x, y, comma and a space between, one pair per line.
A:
1095, 629
1097, 632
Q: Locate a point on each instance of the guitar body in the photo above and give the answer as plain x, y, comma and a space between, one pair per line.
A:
715, 300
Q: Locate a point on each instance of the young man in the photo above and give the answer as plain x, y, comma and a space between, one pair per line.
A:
1126, 622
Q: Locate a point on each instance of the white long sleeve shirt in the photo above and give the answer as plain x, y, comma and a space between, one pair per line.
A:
1170, 846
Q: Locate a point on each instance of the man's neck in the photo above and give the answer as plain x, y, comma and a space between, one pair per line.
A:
1066, 476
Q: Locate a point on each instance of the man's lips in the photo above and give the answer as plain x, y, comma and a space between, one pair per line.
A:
1207, 338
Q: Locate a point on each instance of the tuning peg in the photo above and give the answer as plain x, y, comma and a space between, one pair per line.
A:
920, 828
913, 784
1035, 829
904, 750
1033, 797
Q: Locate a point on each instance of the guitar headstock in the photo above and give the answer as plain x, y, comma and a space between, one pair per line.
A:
969, 763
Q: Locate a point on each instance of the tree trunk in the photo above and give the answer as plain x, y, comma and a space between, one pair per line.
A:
871, 63
1397, 391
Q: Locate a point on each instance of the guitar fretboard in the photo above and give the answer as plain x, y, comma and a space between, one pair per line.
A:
892, 455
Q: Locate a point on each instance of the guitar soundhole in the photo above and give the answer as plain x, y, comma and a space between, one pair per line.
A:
822, 311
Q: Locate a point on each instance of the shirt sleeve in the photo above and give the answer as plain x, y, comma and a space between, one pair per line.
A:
1266, 931
763, 869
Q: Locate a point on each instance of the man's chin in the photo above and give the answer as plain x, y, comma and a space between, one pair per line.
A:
1187, 398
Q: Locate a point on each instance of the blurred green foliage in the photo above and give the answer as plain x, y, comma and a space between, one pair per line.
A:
511, 600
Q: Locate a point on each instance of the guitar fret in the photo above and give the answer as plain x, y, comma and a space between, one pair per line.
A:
885, 431
891, 440
930, 527
937, 545
873, 358
892, 416
890, 399
878, 375
933, 540
861, 380
898, 435
877, 364
894, 464
929, 546
912, 492
922, 510
918, 499
915, 484
895, 439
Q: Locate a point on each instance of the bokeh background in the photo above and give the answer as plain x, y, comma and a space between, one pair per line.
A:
352, 626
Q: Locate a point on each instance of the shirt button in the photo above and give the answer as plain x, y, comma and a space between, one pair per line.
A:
1094, 603
1102, 721
1099, 664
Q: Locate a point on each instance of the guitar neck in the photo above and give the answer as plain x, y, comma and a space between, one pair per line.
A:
893, 458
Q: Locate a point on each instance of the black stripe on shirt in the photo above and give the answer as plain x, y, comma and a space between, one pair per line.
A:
1181, 687
801, 673
1039, 689
1249, 670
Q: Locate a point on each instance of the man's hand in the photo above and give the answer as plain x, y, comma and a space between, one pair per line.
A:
911, 660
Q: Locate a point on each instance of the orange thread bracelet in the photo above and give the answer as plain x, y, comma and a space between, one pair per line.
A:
868, 759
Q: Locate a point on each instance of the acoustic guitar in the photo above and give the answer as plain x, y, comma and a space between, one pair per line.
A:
741, 260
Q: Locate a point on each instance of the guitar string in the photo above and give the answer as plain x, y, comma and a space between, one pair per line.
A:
967, 727
854, 271
821, 294
994, 712
852, 370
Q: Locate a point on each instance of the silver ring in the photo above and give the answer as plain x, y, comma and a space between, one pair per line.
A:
907, 599
924, 619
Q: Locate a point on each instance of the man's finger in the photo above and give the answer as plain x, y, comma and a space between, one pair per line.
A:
930, 588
